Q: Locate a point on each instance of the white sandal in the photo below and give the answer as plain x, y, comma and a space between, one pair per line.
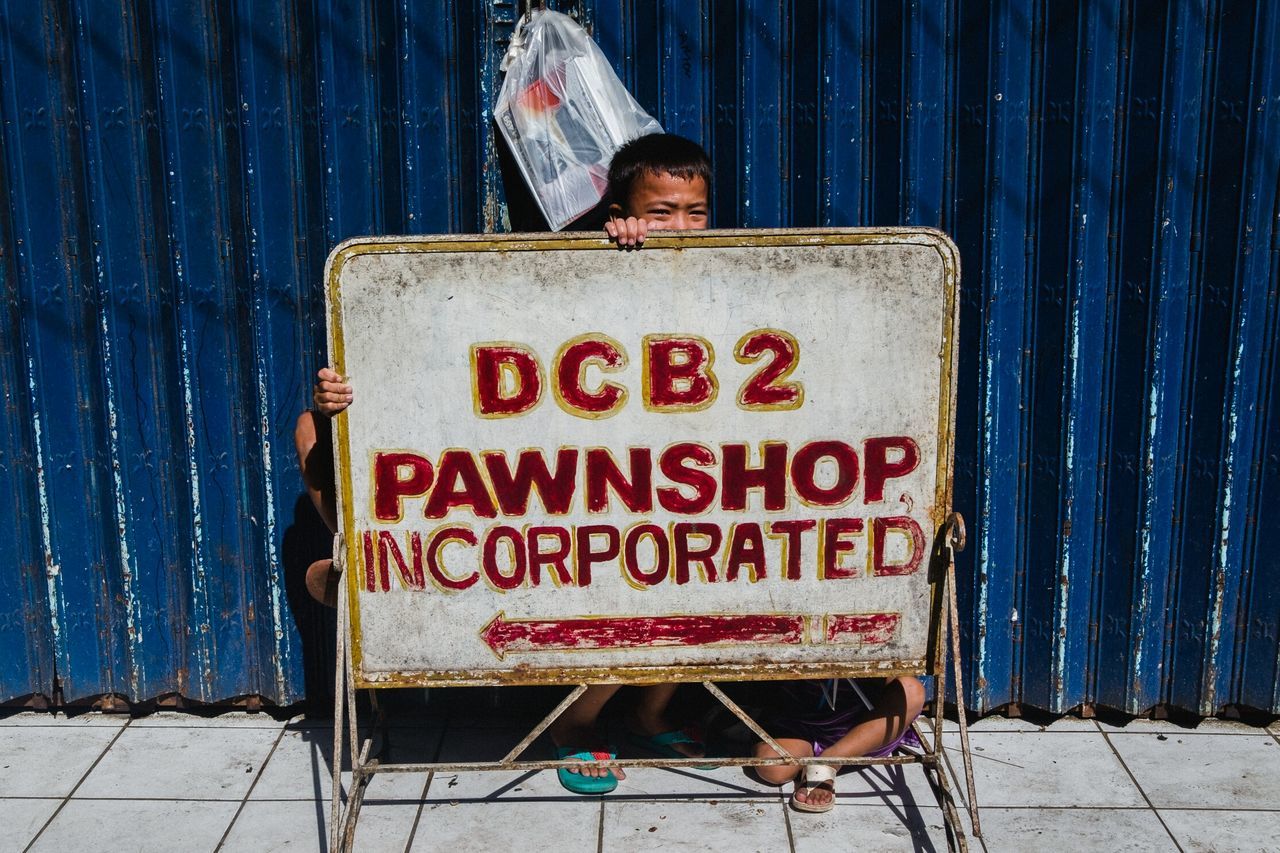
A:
814, 776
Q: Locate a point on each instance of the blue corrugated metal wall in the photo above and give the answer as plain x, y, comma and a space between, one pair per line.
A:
175, 171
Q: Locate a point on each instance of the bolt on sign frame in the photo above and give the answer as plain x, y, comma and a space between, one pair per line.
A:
725, 457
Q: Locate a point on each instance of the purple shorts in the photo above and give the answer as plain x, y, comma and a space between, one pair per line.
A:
807, 714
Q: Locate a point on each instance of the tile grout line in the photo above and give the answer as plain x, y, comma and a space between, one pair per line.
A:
786, 820
417, 815
72, 792
600, 828
426, 789
1137, 785
245, 799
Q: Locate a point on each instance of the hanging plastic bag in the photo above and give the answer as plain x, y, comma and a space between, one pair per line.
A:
564, 114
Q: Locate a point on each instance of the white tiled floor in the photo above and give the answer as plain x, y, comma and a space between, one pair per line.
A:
1204, 771
1204, 831
249, 783
742, 827
48, 761
1058, 829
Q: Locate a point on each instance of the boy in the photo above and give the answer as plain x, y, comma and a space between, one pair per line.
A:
656, 182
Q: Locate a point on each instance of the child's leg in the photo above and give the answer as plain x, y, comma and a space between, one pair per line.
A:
897, 706
577, 727
649, 717
778, 774
312, 439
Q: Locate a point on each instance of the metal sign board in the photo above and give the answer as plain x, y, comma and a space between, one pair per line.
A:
727, 455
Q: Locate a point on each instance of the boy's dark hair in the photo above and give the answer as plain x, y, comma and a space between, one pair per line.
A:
656, 154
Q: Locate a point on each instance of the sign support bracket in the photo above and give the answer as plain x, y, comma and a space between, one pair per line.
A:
345, 811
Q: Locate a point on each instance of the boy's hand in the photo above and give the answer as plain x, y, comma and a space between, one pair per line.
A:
628, 233
331, 394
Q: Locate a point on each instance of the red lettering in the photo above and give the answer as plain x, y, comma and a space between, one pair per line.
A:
738, 477
792, 545
765, 389
902, 524
489, 364
673, 465
435, 566
804, 468
512, 489
585, 556
519, 561
458, 483
636, 493
411, 576
554, 559
662, 554
570, 369
676, 373
746, 548
397, 476
371, 566
876, 454
833, 545
704, 556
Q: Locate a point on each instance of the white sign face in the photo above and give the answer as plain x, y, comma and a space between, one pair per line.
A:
726, 455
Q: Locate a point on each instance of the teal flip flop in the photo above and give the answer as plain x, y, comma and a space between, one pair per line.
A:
664, 744
579, 784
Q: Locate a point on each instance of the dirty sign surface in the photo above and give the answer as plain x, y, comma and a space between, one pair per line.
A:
726, 455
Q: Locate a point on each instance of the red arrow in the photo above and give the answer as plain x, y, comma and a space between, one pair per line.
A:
865, 629
535, 635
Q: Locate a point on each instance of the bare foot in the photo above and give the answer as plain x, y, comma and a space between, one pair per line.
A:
820, 794
585, 740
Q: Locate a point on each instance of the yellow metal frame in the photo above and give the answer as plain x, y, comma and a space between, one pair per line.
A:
948, 340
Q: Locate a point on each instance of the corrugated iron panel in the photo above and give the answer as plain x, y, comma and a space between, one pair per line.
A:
174, 174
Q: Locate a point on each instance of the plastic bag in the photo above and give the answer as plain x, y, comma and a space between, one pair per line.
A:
564, 114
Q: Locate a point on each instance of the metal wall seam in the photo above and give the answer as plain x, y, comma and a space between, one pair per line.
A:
1264, 647
928, 78
1237, 522
460, 117
61, 345
1214, 324
760, 30
803, 133
1089, 285
424, 48
685, 71
970, 140
200, 192
499, 18
110, 159
1002, 427
26, 623
886, 95
1130, 239
352, 167
841, 106
267, 121
1180, 131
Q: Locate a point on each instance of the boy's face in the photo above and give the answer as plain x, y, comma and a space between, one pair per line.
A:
668, 202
